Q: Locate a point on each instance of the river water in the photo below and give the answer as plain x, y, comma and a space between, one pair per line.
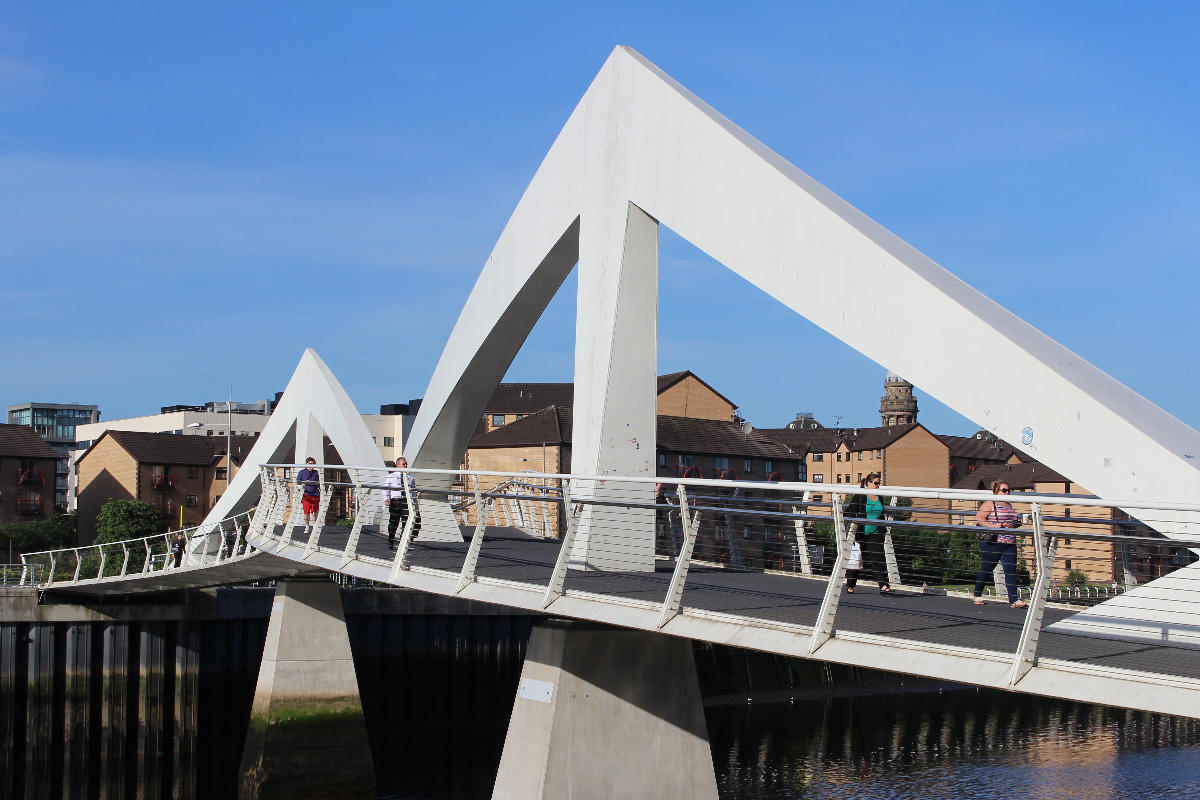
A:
960, 744
159, 710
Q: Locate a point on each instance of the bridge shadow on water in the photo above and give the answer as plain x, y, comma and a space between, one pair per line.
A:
158, 709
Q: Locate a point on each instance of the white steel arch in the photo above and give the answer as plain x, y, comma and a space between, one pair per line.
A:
313, 405
640, 148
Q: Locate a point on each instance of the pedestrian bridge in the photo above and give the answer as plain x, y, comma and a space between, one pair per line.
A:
754, 565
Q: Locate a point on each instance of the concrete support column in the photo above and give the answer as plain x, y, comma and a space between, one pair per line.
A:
606, 712
307, 737
616, 385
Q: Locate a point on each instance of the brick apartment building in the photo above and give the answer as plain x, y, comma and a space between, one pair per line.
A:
28, 469
182, 476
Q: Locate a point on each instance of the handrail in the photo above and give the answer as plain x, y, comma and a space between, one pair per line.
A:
921, 492
147, 549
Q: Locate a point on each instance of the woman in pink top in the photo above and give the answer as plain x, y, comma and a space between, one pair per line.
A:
997, 545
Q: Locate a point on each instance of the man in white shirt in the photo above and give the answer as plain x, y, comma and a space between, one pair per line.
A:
398, 502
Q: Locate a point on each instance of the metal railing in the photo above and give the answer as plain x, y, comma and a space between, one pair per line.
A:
198, 546
20, 575
671, 540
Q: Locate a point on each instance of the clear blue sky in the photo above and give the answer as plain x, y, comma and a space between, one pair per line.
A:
194, 191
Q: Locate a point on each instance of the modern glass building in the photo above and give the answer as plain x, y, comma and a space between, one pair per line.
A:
56, 422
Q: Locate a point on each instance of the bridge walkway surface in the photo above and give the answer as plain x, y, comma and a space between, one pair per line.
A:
923, 631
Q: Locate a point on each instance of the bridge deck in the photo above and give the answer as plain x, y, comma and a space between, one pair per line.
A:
510, 554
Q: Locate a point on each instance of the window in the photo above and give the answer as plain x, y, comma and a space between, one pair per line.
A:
768, 467
192, 501
687, 461
210, 433
389, 441
860, 477
860, 452
839, 457
818, 478
662, 459
193, 472
1068, 564
748, 465
747, 532
721, 462
818, 456
222, 473
879, 453
497, 420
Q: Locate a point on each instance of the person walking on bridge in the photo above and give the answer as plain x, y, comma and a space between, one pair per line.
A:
310, 479
398, 502
995, 546
869, 536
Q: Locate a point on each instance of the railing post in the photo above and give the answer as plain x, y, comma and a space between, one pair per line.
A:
467, 575
266, 496
297, 495
823, 627
78, 564
802, 535
674, 599
1026, 653
53, 568
319, 522
558, 578
103, 558
889, 551
400, 562
125, 558
362, 496
149, 556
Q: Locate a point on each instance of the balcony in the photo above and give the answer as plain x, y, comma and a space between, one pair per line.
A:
161, 482
31, 477
29, 508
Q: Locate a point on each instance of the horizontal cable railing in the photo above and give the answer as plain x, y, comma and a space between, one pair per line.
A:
199, 546
772, 553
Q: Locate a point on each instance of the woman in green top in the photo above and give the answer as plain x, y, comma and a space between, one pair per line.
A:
870, 537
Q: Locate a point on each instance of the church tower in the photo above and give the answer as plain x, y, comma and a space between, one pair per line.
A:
898, 406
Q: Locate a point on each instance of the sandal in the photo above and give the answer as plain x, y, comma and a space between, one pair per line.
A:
978, 601
886, 590
850, 589
1020, 604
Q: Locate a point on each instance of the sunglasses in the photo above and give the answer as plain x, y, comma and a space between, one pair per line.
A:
1005, 490
872, 483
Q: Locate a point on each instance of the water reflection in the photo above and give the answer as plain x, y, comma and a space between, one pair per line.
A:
960, 744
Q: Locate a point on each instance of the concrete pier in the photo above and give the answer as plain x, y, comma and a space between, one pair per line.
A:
606, 712
307, 736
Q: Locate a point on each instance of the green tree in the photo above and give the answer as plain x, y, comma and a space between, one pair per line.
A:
31, 537
120, 521
1077, 578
